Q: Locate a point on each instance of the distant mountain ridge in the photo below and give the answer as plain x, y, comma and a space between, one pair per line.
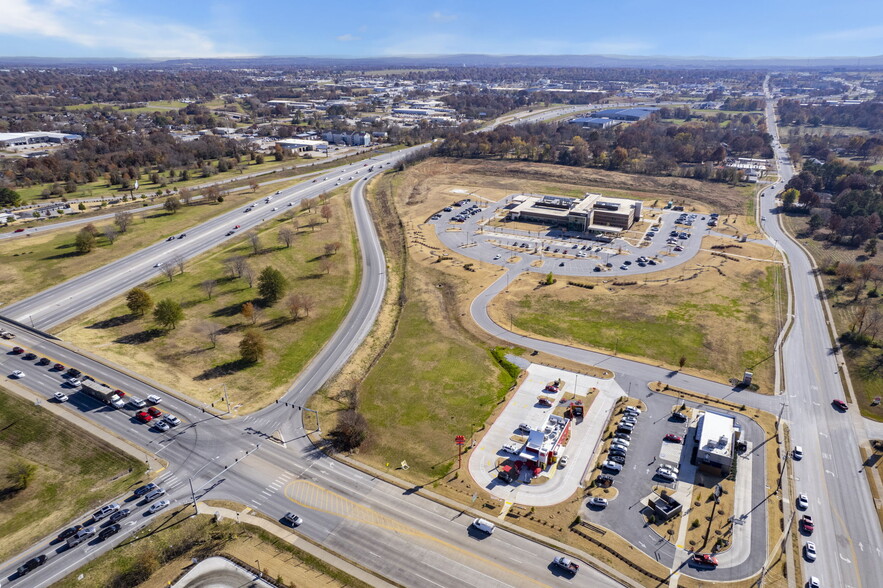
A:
463, 60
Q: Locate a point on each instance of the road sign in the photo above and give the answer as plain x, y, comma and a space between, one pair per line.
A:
460, 440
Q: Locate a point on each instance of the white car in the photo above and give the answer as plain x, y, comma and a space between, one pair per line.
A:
598, 501
562, 462
157, 264
154, 399
276, 208
292, 519
802, 501
513, 448
621, 442
814, 582
74, 382
797, 452
668, 468
18, 374
160, 425
172, 419
612, 466
809, 550
61, 396
158, 506
496, 257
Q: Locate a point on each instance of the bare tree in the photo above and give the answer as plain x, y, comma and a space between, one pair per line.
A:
168, 270
253, 185
179, 262
248, 275
123, 219
286, 236
185, 195
255, 239
325, 265
325, 212
211, 331
110, 234
307, 303
323, 197
236, 265
208, 286
865, 272
211, 194
293, 305
306, 205
332, 248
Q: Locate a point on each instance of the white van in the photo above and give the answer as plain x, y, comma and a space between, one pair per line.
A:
483, 525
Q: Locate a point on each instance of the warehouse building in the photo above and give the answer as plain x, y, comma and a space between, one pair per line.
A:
588, 122
302, 145
356, 139
625, 114
593, 213
34, 137
716, 436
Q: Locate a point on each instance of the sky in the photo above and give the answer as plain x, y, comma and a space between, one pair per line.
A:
370, 28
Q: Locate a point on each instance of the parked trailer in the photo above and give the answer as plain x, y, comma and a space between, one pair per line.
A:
101, 392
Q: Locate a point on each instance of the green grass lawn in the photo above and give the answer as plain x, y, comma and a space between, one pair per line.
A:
185, 358
75, 473
430, 385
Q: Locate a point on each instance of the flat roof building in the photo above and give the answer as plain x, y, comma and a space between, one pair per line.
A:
716, 438
589, 122
29, 138
593, 213
627, 114
303, 145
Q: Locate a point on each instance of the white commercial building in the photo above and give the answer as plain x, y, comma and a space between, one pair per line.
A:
593, 213
30, 138
716, 436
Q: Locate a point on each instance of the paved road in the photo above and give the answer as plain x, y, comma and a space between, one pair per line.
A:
848, 535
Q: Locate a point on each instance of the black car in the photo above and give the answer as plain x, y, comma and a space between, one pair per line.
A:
617, 459
604, 479
145, 489
624, 436
679, 416
31, 565
29, 356
109, 531
43, 361
119, 515
618, 451
74, 373
69, 532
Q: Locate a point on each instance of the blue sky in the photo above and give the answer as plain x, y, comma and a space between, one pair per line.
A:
358, 28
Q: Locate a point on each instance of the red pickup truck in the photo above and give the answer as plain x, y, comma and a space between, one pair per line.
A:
807, 524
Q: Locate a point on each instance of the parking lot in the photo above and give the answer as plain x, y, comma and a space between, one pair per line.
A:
560, 482
672, 238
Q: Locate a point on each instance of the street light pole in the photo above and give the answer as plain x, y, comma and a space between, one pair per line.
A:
193, 495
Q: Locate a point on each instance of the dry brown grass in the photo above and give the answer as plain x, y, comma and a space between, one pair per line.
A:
718, 311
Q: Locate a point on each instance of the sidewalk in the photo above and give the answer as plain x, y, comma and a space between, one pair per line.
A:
286, 535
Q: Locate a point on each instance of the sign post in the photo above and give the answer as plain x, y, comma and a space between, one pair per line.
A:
460, 440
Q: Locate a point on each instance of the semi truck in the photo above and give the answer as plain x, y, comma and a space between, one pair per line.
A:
101, 392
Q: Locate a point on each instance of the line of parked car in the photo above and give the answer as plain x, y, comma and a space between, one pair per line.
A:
619, 447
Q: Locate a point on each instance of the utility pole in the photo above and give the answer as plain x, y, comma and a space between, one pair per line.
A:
227, 400
193, 495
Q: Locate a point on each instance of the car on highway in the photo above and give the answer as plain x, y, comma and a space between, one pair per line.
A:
292, 519
69, 532
171, 238
672, 438
839, 404
802, 501
158, 506
31, 565
597, 502
143, 417
705, 559
484, 526
154, 412
60, 396
161, 425
74, 382
58, 367
158, 264
18, 374
17, 350
109, 531
182, 235
807, 524
154, 399
145, 489
105, 511
43, 361
171, 419
19, 230
797, 452
153, 494
809, 551
119, 515
136, 402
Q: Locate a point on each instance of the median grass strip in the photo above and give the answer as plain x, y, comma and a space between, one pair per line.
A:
187, 359
719, 314
52, 473
163, 551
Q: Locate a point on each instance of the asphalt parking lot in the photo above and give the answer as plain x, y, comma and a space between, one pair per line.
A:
575, 256
646, 452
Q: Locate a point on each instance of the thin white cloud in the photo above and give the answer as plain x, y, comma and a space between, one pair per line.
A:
94, 24
858, 34
439, 16
447, 43
348, 37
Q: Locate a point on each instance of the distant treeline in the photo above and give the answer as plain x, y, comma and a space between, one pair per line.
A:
867, 115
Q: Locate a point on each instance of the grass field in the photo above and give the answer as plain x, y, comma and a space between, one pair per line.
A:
74, 473
47, 258
185, 358
718, 313
863, 362
164, 550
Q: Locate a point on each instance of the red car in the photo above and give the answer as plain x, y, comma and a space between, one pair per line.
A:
705, 559
671, 438
143, 417
120, 393
19, 231
17, 350
840, 404
58, 367
807, 524
154, 412
551, 388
